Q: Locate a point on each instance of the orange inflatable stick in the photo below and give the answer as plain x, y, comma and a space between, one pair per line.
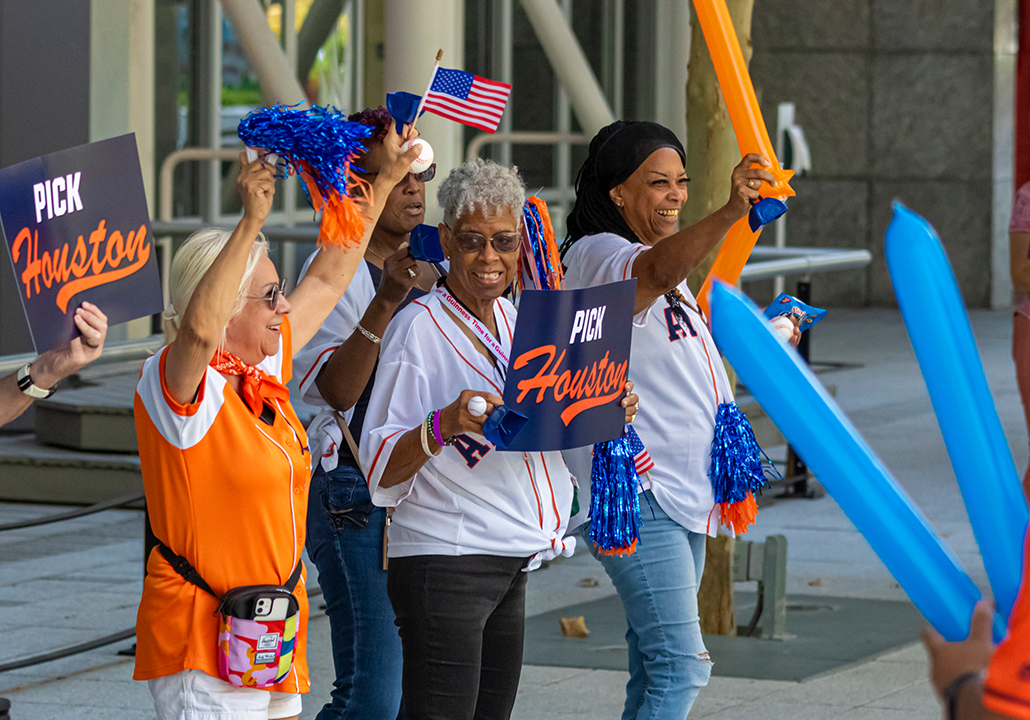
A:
749, 127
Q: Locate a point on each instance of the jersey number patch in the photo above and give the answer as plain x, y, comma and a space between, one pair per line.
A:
470, 449
676, 330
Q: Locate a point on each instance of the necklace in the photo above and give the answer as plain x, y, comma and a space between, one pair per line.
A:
369, 248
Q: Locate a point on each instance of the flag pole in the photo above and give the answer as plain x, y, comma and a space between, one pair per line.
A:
432, 76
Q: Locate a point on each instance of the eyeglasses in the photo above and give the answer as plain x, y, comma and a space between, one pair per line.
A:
474, 243
272, 298
423, 177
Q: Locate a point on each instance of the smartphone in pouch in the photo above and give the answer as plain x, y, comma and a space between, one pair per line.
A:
271, 608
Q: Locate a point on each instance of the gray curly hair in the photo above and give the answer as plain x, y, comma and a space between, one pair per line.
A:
481, 183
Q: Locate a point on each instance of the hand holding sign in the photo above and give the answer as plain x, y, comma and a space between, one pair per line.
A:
77, 228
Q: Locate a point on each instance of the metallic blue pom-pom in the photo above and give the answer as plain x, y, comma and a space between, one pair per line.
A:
736, 467
614, 502
321, 137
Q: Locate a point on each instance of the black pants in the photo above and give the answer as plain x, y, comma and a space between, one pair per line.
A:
461, 623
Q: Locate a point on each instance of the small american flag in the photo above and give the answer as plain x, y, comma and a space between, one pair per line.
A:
467, 98
641, 458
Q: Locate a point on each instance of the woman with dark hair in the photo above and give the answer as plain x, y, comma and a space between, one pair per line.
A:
625, 223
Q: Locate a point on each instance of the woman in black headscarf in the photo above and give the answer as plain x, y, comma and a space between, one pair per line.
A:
625, 224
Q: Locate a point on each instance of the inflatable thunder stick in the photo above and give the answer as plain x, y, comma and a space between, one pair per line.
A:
752, 137
847, 467
938, 325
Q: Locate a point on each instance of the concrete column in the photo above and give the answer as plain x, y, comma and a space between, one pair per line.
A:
569, 64
414, 32
278, 80
672, 54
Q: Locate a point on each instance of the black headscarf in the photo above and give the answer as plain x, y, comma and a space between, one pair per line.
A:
615, 153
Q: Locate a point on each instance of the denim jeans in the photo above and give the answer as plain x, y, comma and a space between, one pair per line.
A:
668, 662
345, 536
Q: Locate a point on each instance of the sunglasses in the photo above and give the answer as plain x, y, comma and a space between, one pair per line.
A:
272, 298
423, 177
474, 243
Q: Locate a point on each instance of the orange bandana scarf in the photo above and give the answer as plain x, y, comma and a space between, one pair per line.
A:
256, 385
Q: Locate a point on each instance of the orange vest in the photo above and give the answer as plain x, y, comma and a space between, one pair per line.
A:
1007, 687
229, 493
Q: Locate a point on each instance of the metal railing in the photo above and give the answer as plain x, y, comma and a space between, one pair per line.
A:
113, 352
769, 262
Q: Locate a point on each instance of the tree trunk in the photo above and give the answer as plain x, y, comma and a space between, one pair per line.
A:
715, 598
712, 150
712, 153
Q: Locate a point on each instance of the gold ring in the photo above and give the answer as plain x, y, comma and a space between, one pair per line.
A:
749, 183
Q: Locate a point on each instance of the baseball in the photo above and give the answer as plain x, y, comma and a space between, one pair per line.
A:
784, 327
477, 406
425, 156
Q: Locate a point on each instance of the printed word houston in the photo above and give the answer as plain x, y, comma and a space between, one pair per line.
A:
98, 265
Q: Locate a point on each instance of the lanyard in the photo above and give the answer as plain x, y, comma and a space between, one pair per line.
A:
472, 322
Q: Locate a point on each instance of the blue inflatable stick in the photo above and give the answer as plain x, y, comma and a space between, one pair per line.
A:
861, 484
937, 323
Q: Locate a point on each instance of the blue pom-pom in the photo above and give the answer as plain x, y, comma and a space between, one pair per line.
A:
321, 137
614, 501
736, 467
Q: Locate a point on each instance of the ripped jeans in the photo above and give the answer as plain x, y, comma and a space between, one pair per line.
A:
658, 584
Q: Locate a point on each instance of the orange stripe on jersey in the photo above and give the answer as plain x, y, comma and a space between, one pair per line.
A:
431, 317
554, 502
539, 507
379, 452
315, 364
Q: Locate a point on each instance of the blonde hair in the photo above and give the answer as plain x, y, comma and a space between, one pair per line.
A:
192, 262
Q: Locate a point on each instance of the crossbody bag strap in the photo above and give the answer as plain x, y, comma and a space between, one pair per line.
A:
294, 578
189, 573
345, 429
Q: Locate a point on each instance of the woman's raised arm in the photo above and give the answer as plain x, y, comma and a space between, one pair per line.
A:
333, 268
210, 309
670, 260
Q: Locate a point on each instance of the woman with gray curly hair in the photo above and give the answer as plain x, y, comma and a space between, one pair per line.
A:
469, 521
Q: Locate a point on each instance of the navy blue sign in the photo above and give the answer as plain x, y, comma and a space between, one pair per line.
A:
569, 362
77, 229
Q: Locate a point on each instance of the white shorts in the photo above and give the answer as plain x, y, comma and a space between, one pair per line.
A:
195, 695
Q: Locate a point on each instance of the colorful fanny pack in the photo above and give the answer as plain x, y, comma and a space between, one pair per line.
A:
258, 630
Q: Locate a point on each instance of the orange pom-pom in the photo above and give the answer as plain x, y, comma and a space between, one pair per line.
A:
344, 218
621, 552
740, 515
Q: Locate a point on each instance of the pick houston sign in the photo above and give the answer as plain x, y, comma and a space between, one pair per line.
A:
77, 228
569, 362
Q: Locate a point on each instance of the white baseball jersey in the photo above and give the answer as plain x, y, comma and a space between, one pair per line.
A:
324, 433
472, 498
676, 370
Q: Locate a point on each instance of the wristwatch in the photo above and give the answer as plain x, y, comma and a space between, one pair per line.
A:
26, 385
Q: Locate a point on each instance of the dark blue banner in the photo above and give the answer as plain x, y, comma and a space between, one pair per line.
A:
77, 229
569, 362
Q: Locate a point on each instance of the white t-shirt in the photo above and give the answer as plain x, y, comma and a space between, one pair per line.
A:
324, 433
472, 498
676, 370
